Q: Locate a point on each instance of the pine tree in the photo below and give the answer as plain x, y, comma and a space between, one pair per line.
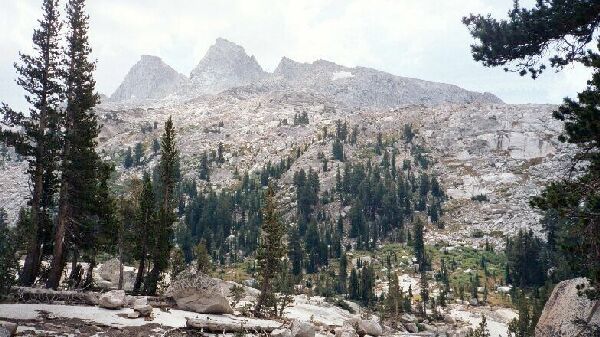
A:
419, 245
337, 150
353, 285
203, 261
142, 232
8, 260
36, 137
296, 253
177, 262
163, 230
394, 295
270, 253
343, 274
128, 159
138, 154
79, 159
424, 291
204, 172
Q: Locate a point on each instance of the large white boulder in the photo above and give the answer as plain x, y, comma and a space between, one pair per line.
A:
199, 293
567, 313
302, 329
109, 274
114, 299
369, 327
10, 327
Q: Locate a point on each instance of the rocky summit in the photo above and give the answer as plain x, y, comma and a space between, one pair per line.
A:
225, 65
149, 78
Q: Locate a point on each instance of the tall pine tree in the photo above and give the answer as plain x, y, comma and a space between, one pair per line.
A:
270, 252
80, 162
163, 230
36, 137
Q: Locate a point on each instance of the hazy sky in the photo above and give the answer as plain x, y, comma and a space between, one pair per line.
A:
415, 38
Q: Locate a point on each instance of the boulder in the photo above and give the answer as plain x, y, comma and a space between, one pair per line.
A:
302, 329
133, 314
345, 332
114, 299
194, 291
411, 327
369, 327
109, 274
145, 310
409, 318
10, 327
281, 332
567, 313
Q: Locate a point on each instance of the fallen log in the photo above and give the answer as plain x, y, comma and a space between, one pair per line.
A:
226, 323
41, 295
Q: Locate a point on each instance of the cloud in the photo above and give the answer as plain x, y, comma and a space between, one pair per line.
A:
423, 39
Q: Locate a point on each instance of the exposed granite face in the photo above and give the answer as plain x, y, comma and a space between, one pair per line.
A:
226, 65
149, 78
567, 313
365, 87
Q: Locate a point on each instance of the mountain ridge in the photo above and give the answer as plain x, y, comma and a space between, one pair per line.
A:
226, 66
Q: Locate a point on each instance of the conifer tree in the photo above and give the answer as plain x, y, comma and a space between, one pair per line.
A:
79, 160
163, 230
128, 160
8, 260
343, 274
138, 154
424, 292
142, 233
353, 285
36, 137
419, 245
394, 295
270, 252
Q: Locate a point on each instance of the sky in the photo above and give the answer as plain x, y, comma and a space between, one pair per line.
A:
415, 38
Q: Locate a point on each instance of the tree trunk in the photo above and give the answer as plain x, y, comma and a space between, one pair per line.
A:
30, 272
120, 243
73, 276
89, 276
59, 239
140, 274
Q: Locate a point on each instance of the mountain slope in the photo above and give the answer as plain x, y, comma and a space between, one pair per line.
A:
365, 87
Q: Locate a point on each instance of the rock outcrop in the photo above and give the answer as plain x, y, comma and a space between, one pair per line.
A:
569, 313
302, 329
114, 299
199, 293
369, 327
109, 274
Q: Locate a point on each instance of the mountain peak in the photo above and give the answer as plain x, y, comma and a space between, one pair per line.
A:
149, 78
226, 65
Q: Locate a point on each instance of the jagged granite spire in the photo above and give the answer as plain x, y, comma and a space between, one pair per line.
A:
149, 78
225, 65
